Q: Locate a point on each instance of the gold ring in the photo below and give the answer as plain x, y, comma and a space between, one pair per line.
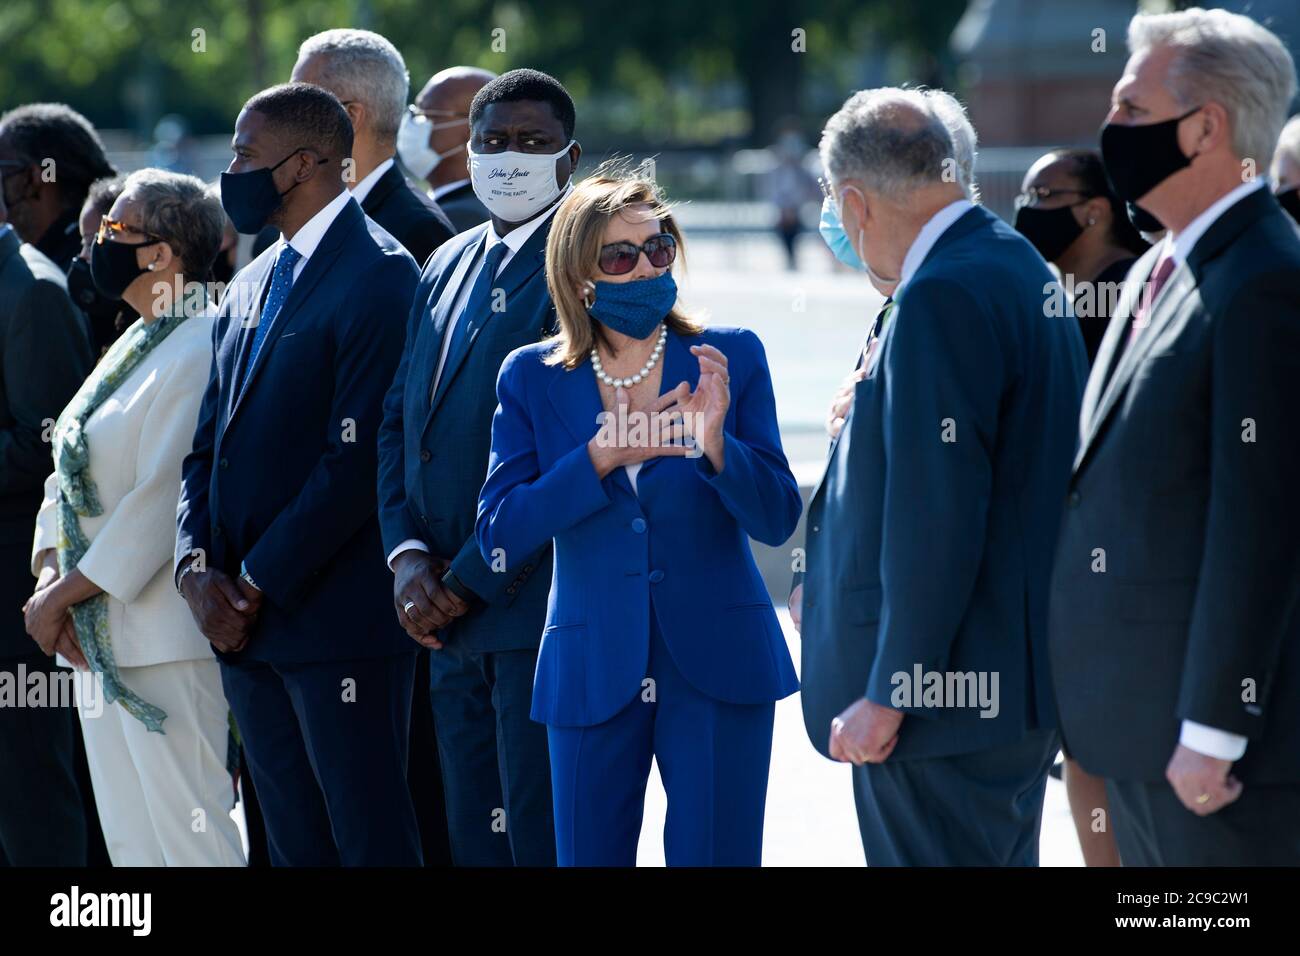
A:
1203, 798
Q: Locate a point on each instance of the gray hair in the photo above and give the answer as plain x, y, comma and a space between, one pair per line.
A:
363, 67
1288, 143
891, 139
964, 139
1230, 59
182, 210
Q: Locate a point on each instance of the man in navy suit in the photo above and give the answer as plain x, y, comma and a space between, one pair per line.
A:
481, 296
930, 538
278, 549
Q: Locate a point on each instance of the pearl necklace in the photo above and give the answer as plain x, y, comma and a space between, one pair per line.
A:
632, 379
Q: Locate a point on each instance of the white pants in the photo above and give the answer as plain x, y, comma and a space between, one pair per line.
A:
164, 799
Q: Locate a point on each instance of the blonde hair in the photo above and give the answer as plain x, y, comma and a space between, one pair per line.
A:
573, 250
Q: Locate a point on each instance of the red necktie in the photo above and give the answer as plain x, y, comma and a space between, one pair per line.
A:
1147, 297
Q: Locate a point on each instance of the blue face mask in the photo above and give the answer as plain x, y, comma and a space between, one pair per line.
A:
634, 308
832, 231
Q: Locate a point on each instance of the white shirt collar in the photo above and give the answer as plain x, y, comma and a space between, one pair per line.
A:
1181, 247
362, 189
439, 191
516, 237
925, 239
306, 239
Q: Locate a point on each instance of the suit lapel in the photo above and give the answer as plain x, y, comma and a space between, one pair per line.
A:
575, 396
444, 298
679, 366
247, 325
521, 267
381, 190
318, 266
1179, 286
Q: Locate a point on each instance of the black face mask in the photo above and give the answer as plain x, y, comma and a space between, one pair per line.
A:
1140, 158
250, 198
1142, 220
1290, 200
113, 266
81, 287
1050, 231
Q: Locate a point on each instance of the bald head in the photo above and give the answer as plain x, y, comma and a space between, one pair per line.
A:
452, 90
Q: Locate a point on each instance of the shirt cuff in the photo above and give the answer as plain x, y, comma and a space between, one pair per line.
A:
410, 544
1212, 742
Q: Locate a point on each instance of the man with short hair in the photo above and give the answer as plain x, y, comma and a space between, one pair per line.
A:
44, 356
49, 156
924, 605
278, 550
481, 296
1175, 630
433, 139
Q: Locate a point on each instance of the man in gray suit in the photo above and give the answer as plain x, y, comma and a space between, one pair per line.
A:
44, 356
1175, 613
931, 535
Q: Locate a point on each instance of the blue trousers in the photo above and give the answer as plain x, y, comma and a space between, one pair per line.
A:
495, 773
977, 809
326, 743
713, 758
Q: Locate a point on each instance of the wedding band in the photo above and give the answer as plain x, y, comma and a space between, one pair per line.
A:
1203, 798
407, 607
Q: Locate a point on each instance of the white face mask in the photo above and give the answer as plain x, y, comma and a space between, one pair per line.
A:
515, 186
413, 143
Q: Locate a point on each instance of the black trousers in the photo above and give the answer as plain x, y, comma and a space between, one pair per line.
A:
42, 814
1153, 828
977, 809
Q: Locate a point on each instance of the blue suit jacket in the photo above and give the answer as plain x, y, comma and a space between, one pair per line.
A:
930, 539
433, 458
680, 545
282, 475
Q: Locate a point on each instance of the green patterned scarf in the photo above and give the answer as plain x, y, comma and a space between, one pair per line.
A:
79, 498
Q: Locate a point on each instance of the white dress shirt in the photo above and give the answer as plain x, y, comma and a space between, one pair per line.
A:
1210, 741
514, 241
362, 189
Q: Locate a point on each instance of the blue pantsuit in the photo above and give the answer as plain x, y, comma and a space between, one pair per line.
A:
713, 759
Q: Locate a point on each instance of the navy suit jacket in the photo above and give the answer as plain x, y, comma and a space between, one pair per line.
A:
930, 538
678, 547
433, 459
282, 475
1186, 480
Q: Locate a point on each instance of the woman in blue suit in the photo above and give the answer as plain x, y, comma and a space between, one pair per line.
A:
647, 449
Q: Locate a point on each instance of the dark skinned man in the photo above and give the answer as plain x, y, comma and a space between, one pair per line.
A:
481, 296
278, 548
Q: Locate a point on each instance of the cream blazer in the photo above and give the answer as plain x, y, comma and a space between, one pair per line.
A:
137, 440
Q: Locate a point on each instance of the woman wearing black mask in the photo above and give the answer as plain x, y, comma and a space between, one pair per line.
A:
157, 740
106, 317
1068, 211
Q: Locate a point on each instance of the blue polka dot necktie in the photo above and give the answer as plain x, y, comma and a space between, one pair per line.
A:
281, 283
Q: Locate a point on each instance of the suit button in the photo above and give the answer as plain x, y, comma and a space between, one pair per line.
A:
426, 455
224, 463
528, 568
816, 528
656, 576
216, 532
1075, 498
638, 525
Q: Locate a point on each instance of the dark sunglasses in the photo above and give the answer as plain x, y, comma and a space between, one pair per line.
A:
619, 258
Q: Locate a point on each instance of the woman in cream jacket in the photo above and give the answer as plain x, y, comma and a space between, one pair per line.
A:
154, 717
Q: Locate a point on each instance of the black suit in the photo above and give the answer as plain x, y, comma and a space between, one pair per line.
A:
44, 356
1185, 487
463, 208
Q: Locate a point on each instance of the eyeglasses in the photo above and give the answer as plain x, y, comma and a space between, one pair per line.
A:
118, 229
1036, 194
620, 258
451, 116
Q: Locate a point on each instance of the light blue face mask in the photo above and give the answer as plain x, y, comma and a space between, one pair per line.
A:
832, 231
